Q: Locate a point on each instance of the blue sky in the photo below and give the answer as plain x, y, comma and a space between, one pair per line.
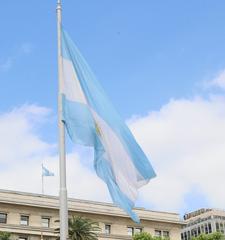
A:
144, 53
168, 46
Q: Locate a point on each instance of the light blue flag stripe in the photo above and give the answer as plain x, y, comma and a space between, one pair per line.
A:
81, 126
79, 122
46, 172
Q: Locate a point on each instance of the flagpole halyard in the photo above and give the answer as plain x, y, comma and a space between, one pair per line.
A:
62, 159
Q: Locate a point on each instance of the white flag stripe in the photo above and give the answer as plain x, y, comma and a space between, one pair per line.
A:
71, 85
123, 168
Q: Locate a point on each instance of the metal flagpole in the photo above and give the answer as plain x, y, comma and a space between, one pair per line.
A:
42, 190
62, 159
42, 180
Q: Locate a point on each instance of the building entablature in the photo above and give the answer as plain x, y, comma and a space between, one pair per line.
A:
83, 206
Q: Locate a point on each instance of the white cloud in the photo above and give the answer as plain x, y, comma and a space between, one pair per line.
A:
218, 81
185, 140
23, 151
18, 140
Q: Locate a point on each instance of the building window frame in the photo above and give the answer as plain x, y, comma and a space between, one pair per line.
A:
210, 227
217, 227
188, 235
138, 230
47, 222
166, 233
130, 231
23, 237
24, 219
133, 230
182, 236
4, 219
158, 233
185, 236
107, 229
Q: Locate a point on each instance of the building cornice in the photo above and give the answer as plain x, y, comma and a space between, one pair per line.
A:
83, 206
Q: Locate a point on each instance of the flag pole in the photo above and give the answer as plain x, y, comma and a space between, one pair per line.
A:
42, 180
42, 191
63, 209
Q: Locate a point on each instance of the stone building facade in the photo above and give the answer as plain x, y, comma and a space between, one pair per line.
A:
203, 221
32, 217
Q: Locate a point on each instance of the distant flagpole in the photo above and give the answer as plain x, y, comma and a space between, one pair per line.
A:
42, 180
42, 191
62, 159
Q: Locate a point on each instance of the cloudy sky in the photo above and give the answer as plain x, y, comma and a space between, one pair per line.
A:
163, 66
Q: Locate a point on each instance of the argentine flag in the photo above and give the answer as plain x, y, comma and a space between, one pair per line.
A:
91, 120
46, 172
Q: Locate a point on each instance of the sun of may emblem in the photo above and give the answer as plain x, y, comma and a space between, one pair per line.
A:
97, 128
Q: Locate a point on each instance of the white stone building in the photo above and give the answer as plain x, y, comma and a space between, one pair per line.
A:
32, 216
203, 221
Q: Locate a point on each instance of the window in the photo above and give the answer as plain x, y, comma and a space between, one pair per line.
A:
158, 233
137, 230
130, 231
3, 217
24, 220
217, 227
188, 235
202, 229
107, 229
210, 227
22, 238
194, 232
166, 234
182, 236
45, 222
221, 227
206, 228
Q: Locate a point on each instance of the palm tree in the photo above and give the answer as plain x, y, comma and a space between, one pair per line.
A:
83, 229
5, 235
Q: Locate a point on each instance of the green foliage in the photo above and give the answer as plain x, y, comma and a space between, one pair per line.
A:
216, 236
142, 236
147, 236
5, 235
211, 236
83, 229
161, 238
